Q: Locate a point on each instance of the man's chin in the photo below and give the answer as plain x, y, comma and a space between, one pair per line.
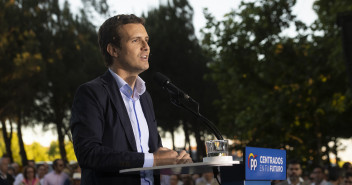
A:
144, 68
294, 178
141, 70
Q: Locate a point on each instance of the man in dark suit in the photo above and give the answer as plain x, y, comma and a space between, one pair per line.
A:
294, 173
113, 123
5, 177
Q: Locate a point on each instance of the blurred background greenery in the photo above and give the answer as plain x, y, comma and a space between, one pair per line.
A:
261, 87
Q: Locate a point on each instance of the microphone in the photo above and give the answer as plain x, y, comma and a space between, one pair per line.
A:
165, 83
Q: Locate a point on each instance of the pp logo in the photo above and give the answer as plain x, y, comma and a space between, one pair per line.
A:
252, 161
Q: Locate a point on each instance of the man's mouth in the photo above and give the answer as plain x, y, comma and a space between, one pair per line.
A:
144, 56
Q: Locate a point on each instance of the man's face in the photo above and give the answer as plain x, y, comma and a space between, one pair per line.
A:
30, 173
294, 171
59, 166
31, 163
186, 178
16, 167
318, 175
208, 176
41, 171
46, 168
134, 52
4, 164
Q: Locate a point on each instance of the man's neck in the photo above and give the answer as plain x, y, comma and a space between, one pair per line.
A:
294, 181
128, 77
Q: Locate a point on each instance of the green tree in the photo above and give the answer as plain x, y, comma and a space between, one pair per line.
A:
337, 114
15, 149
277, 91
72, 57
46, 52
175, 52
21, 67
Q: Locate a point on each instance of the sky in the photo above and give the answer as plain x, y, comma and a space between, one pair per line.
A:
303, 10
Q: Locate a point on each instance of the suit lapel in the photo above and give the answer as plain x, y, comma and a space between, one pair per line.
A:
116, 98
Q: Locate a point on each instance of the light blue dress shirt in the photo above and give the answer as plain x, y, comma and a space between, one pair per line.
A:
138, 121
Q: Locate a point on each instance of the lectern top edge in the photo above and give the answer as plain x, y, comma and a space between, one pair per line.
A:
183, 167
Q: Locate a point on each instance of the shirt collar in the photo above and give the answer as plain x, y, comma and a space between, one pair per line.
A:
300, 180
3, 175
139, 89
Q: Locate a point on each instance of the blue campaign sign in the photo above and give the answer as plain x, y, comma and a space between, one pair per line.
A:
265, 164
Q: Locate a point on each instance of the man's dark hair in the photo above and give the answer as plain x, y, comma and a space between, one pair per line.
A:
294, 161
346, 165
5, 156
109, 33
55, 162
322, 168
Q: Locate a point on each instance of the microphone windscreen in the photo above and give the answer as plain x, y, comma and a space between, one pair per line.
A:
161, 79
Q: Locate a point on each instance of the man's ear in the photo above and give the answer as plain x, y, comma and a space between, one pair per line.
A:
113, 50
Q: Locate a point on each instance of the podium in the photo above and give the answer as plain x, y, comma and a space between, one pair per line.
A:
259, 167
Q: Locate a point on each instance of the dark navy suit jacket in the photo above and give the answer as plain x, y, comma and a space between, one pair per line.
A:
102, 134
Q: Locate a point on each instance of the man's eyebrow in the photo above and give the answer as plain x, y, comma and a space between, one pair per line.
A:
139, 37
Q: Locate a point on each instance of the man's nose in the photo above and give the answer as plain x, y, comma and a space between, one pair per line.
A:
145, 46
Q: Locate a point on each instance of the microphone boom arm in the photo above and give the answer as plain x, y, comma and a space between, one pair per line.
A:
208, 123
179, 98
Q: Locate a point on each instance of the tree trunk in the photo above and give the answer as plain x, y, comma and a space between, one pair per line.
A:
173, 138
61, 138
187, 139
23, 153
7, 138
328, 149
200, 143
335, 150
318, 135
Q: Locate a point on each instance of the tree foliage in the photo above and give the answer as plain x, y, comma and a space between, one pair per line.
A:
274, 91
21, 67
175, 52
46, 52
72, 58
279, 91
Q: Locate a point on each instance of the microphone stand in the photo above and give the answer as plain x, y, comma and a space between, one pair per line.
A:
179, 101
